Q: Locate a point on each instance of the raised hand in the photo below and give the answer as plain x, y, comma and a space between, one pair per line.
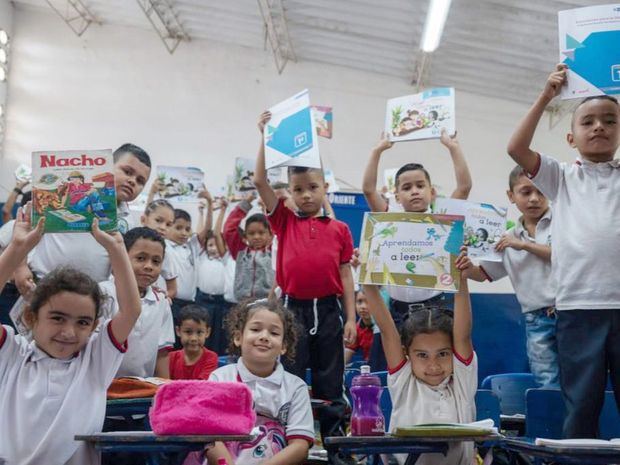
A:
555, 81
448, 140
263, 120
108, 240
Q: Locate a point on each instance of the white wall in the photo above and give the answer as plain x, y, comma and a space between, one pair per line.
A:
200, 106
6, 23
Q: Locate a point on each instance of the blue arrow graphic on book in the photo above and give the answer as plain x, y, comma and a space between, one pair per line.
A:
293, 136
595, 58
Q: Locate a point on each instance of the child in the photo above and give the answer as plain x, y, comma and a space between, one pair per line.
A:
132, 167
251, 249
153, 335
46, 383
159, 216
586, 208
415, 193
262, 331
184, 248
194, 361
364, 328
526, 260
212, 262
314, 274
433, 370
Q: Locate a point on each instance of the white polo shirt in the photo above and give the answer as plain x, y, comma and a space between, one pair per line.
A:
6, 234
530, 275
453, 401
168, 271
154, 331
281, 396
46, 401
78, 250
585, 231
229, 280
184, 258
211, 274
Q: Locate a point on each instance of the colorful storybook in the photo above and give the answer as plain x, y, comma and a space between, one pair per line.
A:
421, 116
324, 120
70, 188
484, 226
590, 46
242, 180
290, 136
181, 183
411, 249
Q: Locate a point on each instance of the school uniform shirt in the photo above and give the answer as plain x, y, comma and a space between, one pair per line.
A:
202, 369
46, 401
77, 250
6, 234
530, 275
184, 258
168, 272
452, 401
230, 268
310, 252
585, 230
212, 273
281, 396
363, 340
154, 331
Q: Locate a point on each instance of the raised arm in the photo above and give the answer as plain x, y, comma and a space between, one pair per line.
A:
369, 185
461, 170
390, 337
233, 234
217, 230
156, 187
208, 223
461, 331
129, 305
519, 145
7, 208
260, 173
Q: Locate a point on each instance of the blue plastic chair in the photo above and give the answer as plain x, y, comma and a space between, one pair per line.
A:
510, 388
545, 414
487, 406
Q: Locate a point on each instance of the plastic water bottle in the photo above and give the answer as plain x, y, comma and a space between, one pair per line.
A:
367, 418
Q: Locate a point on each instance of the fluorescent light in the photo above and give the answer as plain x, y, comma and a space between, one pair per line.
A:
4, 37
2, 55
435, 21
2, 74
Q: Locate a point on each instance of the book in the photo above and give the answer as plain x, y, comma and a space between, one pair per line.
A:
290, 136
478, 428
589, 39
420, 116
411, 249
323, 120
242, 179
579, 443
484, 225
181, 183
70, 188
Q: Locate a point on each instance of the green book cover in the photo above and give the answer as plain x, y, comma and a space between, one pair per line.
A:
70, 188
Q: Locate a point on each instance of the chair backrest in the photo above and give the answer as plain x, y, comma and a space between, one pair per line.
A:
510, 388
487, 406
383, 376
386, 407
545, 414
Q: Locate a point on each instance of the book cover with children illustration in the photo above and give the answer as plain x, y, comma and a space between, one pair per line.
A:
420, 116
589, 39
181, 183
242, 180
70, 188
411, 249
484, 226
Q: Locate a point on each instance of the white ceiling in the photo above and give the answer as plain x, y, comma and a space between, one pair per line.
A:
496, 48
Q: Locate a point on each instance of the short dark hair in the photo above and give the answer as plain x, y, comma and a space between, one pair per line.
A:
239, 316
514, 176
142, 232
258, 218
134, 150
195, 312
304, 169
410, 167
426, 321
66, 279
180, 214
593, 97
155, 204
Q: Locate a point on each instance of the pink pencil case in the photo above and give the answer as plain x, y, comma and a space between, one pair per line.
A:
187, 407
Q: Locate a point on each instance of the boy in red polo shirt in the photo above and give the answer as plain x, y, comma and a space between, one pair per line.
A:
364, 329
313, 271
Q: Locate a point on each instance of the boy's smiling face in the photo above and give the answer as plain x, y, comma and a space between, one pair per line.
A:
595, 131
130, 176
146, 257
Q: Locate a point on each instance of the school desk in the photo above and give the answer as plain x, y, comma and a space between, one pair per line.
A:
388, 444
562, 455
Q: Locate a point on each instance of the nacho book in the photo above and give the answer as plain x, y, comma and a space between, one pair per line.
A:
70, 188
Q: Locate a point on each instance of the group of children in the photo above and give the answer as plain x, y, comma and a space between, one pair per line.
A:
290, 269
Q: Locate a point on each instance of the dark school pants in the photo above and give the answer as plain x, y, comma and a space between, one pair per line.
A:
588, 347
320, 347
218, 310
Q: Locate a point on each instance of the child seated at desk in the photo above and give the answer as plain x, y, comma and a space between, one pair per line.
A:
433, 369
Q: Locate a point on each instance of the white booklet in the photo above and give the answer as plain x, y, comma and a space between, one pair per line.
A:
579, 443
421, 116
589, 41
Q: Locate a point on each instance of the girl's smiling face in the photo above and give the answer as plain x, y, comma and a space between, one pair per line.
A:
262, 338
430, 355
161, 220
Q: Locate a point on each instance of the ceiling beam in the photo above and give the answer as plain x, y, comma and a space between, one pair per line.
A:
74, 13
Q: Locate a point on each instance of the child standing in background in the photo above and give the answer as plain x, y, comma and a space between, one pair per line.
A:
314, 274
585, 231
363, 340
